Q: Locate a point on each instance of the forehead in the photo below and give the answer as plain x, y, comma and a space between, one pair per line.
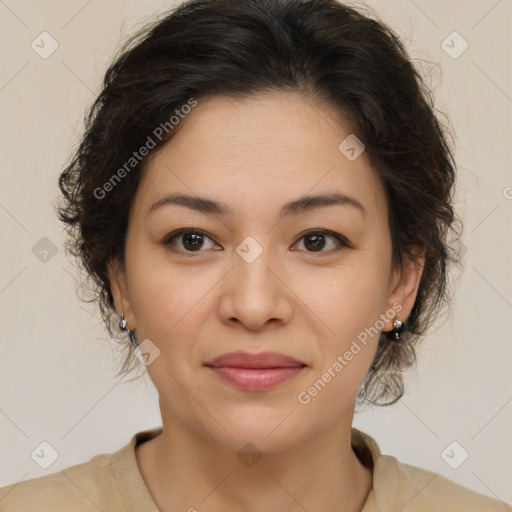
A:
257, 150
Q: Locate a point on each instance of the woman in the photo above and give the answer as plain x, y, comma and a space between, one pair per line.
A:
263, 198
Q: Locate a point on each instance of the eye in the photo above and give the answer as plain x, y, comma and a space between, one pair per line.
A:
191, 240
316, 241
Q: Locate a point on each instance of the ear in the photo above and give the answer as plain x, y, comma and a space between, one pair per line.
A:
119, 289
404, 284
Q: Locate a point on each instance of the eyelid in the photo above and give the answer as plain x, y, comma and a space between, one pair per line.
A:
176, 233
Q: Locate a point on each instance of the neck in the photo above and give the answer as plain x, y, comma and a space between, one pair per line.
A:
185, 470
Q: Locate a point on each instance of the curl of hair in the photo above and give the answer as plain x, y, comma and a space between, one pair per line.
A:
321, 49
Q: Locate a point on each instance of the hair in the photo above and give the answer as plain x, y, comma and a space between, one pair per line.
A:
321, 49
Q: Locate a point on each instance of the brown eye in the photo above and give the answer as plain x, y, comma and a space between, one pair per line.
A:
189, 241
316, 241
192, 241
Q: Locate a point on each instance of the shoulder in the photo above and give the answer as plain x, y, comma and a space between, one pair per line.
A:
422, 490
108, 481
74, 488
400, 486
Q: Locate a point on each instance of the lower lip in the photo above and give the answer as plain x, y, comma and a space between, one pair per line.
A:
256, 379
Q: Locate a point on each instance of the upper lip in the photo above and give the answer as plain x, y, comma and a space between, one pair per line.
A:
242, 359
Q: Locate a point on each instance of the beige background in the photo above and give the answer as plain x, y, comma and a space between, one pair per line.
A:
57, 368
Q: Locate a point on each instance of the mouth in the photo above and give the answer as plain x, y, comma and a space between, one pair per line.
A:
255, 372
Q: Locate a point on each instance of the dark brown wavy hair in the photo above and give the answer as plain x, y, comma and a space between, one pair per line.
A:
345, 58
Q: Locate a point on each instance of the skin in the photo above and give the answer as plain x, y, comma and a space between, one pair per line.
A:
271, 148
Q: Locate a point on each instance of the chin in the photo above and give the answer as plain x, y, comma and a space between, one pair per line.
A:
269, 430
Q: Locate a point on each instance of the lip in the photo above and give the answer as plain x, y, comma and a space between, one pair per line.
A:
255, 372
240, 359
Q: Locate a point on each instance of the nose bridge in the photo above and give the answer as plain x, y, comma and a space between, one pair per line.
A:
254, 294
252, 267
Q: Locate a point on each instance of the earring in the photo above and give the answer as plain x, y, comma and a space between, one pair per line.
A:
123, 324
398, 326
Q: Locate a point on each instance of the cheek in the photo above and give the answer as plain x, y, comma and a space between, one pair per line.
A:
163, 296
352, 297
351, 305
356, 325
345, 356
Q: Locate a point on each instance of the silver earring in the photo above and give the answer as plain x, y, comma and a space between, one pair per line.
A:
123, 324
397, 328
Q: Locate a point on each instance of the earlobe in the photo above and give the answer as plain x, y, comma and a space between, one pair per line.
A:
118, 287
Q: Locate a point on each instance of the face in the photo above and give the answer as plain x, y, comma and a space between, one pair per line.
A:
250, 274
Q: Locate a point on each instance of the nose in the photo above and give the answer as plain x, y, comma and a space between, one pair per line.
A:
255, 293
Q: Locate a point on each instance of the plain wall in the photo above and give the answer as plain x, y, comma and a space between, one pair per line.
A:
57, 367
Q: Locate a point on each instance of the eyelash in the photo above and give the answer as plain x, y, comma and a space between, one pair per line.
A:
344, 243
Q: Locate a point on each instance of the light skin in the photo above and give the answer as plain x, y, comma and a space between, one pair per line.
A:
195, 302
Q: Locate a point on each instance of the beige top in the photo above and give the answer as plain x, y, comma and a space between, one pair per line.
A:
113, 483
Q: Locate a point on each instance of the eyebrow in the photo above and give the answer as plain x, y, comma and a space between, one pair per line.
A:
296, 207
